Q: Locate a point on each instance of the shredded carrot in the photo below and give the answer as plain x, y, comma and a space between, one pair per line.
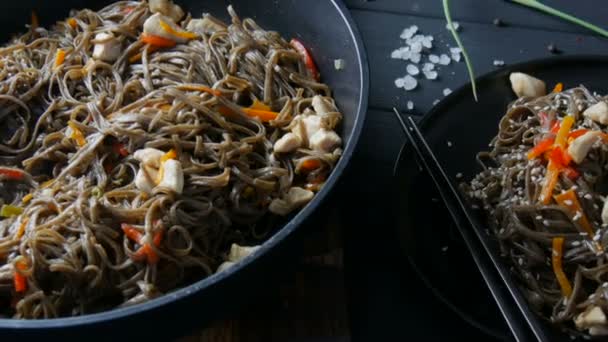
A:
137, 57
556, 258
577, 133
131, 233
77, 134
550, 182
309, 165
564, 130
182, 34
161, 171
570, 201
35, 23
201, 88
73, 23
558, 87
260, 106
540, 148
157, 41
20, 281
59, 58
263, 115
10, 173
571, 173
21, 230
27, 198
308, 60
166, 107
120, 149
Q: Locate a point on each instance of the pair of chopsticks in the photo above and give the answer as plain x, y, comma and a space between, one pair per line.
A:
516, 321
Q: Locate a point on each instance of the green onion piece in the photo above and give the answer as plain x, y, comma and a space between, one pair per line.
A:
8, 210
448, 17
552, 11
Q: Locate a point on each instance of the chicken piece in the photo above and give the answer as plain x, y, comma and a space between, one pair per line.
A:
325, 140
173, 176
207, 25
581, 146
295, 198
526, 85
237, 253
167, 8
598, 113
107, 47
144, 181
152, 26
593, 316
322, 106
287, 143
149, 156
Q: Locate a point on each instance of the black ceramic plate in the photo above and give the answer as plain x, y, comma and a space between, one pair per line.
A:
456, 129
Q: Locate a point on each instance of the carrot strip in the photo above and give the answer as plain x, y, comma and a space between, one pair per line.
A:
556, 258
201, 88
21, 230
308, 60
309, 165
73, 23
570, 201
263, 115
558, 87
27, 198
577, 133
260, 105
182, 34
157, 41
131, 233
59, 58
19, 280
10, 173
77, 134
540, 148
137, 57
551, 179
564, 130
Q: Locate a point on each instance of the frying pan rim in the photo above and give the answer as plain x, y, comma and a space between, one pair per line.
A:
274, 241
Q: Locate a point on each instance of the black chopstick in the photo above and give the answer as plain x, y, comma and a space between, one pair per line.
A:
519, 326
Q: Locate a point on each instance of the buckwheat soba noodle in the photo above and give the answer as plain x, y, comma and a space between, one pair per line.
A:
543, 190
143, 149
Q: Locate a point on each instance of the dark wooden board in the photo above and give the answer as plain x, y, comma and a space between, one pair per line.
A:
484, 12
484, 44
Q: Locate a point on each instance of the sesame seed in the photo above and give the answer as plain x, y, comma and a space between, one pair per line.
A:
576, 243
459, 175
539, 217
546, 223
588, 196
449, 143
444, 248
568, 202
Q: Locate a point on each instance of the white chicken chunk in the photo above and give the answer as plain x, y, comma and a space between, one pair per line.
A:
167, 8
325, 140
149, 156
581, 146
107, 47
526, 85
205, 26
295, 198
173, 176
598, 113
144, 181
153, 26
237, 253
593, 316
287, 143
322, 106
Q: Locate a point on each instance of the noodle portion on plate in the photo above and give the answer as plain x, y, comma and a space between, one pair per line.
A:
542, 190
144, 149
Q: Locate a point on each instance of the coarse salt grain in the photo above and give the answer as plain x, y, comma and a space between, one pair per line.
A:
410, 105
428, 66
434, 59
455, 25
449, 143
444, 59
430, 74
339, 64
412, 69
415, 57
459, 175
409, 83
498, 62
456, 57
447, 91
409, 32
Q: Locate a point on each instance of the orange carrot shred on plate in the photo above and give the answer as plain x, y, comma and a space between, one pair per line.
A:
540, 148
137, 57
556, 258
73, 23
257, 104
182, 34
131, 233
570, 202
77, 134
20, 281
22, 226
550, 182
564, 131
577, 133
558, 87
12, 174
157, 41
309, 165
27, 198
308, 60
59, 58
263, 115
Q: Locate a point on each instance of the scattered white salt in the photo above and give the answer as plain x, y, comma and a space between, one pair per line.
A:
427, 42
455, 50
428, 67
456, 57
416, 47
430, 74
449, 143
410, 105
409, 83
455, 25
447, 91
409, 32
399, 83
434, 59
444, 59
339, 64
415, 57
499, 62
435, 102
412, 69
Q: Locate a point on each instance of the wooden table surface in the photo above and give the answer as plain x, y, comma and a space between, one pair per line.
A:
352, 284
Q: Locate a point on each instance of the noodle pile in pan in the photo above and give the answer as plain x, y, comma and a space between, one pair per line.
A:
143, 149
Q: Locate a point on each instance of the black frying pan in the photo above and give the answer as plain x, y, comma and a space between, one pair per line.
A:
330, 33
